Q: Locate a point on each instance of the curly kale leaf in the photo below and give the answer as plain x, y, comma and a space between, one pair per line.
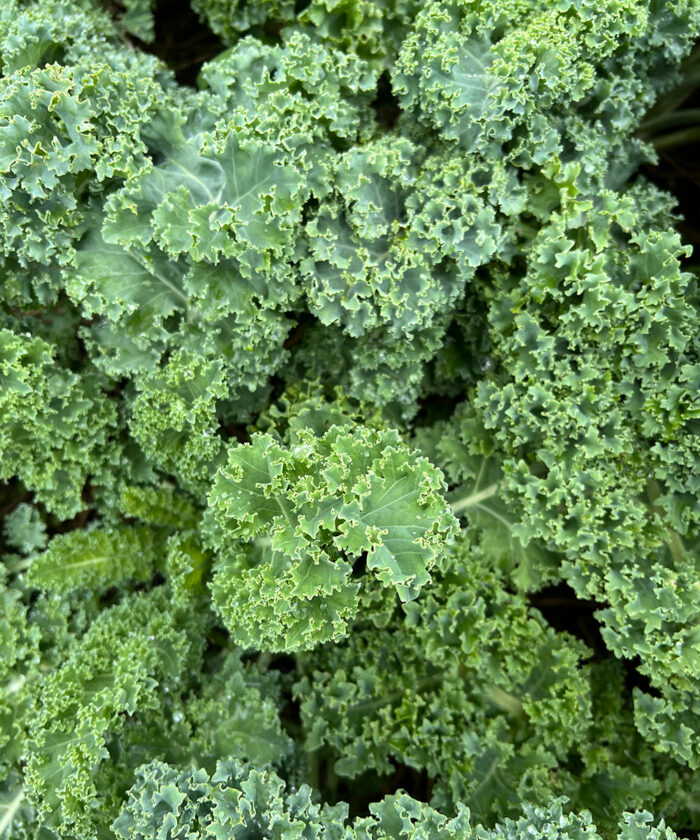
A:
96, 559
292, 522
57, 429
130, 654
236, 801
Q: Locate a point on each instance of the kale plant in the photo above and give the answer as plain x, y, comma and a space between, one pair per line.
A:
321, 382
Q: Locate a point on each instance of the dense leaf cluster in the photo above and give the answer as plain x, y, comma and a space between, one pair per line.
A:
315, 379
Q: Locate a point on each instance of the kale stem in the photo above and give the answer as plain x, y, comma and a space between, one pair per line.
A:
673, 540
20, 566
684, 117
263, 661
475, 498
677, 138
10, 812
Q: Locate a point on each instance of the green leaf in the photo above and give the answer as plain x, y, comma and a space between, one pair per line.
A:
96, 559
119, 283
16, 814
310, 511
